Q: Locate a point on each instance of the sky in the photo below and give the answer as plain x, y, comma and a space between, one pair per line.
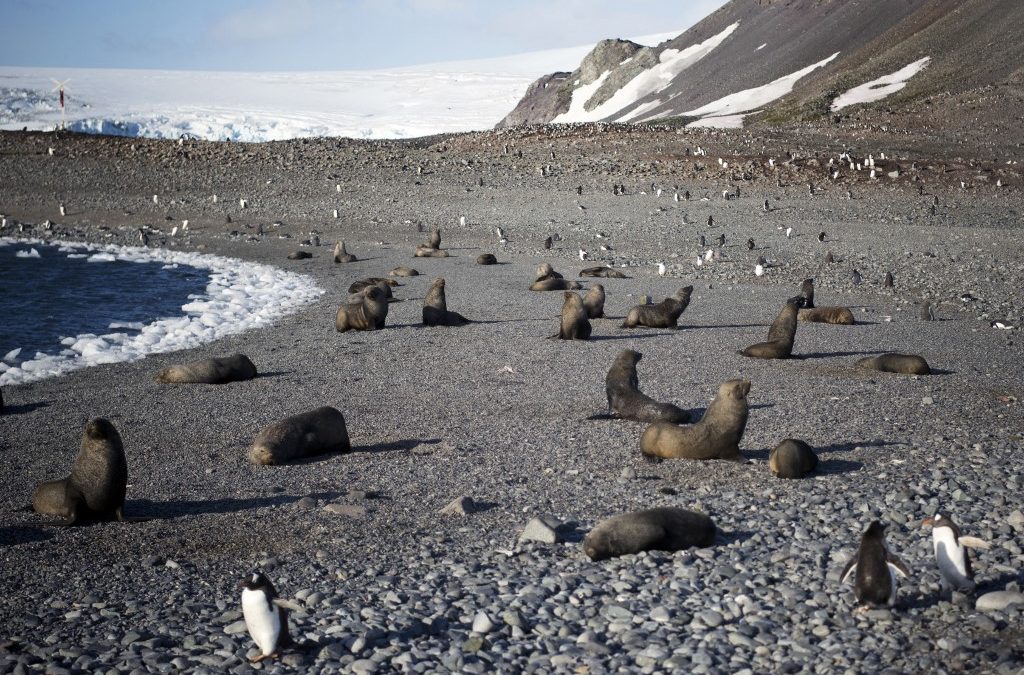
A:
289, 35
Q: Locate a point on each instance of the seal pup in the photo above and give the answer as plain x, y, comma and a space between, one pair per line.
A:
605, 272
876, 569
311, 433
660, 529
341, 255
951, 554
792, 458
904, 364
435, 308
807, 293
435, 239
622, 386
234, 368
403, 271
780, 334
716, 436
266, 621
368, 313
574, 323
665, 314
96, 486
838, 316
486, 259
593, 301
546, 271
300, 255
380, 282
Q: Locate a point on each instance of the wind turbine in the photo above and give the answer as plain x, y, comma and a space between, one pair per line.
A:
60, 87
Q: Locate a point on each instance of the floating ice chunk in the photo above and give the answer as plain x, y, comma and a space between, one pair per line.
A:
131, 325
101, 257
31, 253
11, 355
78, 255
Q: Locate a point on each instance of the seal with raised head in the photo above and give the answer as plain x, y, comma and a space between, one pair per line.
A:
807, 293
234, 368
593, 301
780, 334
403, 271
792, 458
605, 272
545, 271
435, 308
839, 316
716, 436
486, 259
96, 486
369, 313
341, 255
311, 433
435, 239
904, 364
665, 314
574, 323
622, 386
660, 529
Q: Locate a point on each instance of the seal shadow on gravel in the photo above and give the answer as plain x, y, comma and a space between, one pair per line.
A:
397, 446
167, 510
825, 355
13, 535
23, 408
626, 336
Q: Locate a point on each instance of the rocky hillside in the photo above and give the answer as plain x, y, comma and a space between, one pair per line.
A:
781, 60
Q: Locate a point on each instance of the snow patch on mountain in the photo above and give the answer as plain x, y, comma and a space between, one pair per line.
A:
876, 90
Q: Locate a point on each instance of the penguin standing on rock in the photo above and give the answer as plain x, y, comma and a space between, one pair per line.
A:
951, 553
876, 569
266, 620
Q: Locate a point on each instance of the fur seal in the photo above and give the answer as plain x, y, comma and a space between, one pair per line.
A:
665, 314
606, 272
574, 323
593, 301
403, 271
486, 259
622, 386
383, 284
839, 316
341, 255
716, 436
300, 255
780, 334
234, 368
423, 251
95, 488
545, 270
904, 364
368, 313
435, 308
661, 529
807, 293
555, 284
435, 239
792, 458
311, 433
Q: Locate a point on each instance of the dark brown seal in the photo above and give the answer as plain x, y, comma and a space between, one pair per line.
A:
840, 316
661, 529
574, 323
904, 364
665, 314
435, 239
555, 284
383, 284
341, 255
367, 314
807, 293
486, 259
435, 308
780, 334
606, 272
428, 252
792, 458
716, 436
593, 301
625, 399
403, 271
96, 487
311, 433
300, 255
234, 368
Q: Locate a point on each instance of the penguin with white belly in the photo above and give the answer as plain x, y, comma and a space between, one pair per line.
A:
266, 620
951, 553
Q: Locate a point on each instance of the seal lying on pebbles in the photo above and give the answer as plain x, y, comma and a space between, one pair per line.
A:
904, 364
661, 529
403, 271
427, 252
367, 314
341, 255
550, 280
574, 322
545, 270
716, 436
840, 316
606, 272
96, 487
665, 314
593, 302
625, 399
234, 368
383, 284
780, 334
300, 255
435, 308
792, 458
311, 433
486, 259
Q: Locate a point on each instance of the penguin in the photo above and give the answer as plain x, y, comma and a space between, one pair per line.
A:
767, 206
266, 620
951, 553
156, 199
662, 269
583, 254
829, 258
721, 239
855, 278
758, 270
711, 221
876, 569
703, 242
547, 243
63, 211
750, 244
821, 237
889, 282
789, 232
927, 312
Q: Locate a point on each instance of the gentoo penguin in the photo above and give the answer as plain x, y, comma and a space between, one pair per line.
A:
951, 553
855, 278
876, 569
750, 244
547, 243
267, 621
721, 240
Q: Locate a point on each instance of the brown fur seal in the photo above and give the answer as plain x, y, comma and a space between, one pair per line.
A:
311, 433
234, 368
716, 436
486, 259
606, 272
593, 301
555, 284
367, 314
665, 314
792, 459
96, 487
807, 293
341, 255
435, 308
545, 270
661, 529
435, 239
622, 387
428, 252
840, 316
300, 255
383, 284
904, 364
574, 325
780, 334
403, 271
